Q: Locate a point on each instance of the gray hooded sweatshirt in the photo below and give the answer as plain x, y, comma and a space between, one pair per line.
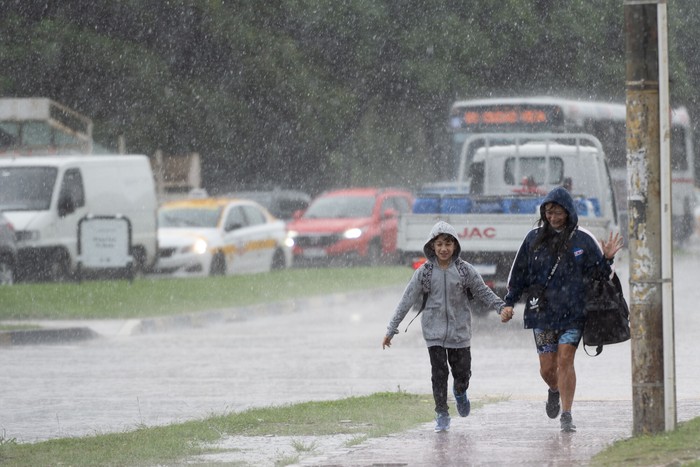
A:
446, 319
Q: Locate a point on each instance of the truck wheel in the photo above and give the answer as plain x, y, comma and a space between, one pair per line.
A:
7, 272
278, 260
218, 265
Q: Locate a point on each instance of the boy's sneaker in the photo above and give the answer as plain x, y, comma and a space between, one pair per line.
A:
552, 406
442, 422
567, 423
463, 404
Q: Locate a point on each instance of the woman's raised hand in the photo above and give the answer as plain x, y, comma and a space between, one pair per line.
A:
612, 246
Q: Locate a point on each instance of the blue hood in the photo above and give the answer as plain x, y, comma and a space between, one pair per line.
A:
561, 197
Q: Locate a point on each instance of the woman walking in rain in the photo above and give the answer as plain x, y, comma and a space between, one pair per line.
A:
559, 258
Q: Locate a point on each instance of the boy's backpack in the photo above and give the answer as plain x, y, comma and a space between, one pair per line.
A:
426, 281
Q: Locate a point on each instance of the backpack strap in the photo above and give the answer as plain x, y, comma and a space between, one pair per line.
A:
464, 273
426, 277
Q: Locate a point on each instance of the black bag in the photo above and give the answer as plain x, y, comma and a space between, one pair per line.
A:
607, 315
536, 301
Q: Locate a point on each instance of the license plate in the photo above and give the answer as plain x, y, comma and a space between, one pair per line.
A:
314, 253
485, 269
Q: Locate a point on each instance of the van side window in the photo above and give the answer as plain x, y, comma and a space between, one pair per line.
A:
72, 186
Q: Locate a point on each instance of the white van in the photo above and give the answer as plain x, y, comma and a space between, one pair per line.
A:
46, 197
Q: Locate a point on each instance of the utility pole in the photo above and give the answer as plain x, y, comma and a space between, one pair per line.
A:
649, 207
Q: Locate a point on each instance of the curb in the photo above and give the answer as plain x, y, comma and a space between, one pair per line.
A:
46, 336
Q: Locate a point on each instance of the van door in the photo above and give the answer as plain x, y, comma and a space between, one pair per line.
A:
71, 208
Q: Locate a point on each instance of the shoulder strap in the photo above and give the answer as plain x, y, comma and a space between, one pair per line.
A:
556, 265
464, 274
426, 277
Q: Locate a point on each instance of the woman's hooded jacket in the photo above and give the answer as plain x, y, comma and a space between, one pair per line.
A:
446, 319
581, 261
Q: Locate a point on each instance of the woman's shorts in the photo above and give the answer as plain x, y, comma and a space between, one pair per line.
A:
548, 340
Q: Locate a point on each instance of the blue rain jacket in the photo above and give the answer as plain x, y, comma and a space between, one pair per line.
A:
581, 261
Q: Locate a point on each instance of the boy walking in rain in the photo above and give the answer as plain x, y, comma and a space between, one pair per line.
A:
446, 317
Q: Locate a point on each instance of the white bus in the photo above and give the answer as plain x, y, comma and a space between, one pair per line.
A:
606, 121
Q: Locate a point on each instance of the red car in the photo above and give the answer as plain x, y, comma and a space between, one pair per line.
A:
354, 225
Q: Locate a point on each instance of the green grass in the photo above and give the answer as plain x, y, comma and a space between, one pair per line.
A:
157, 297
368, 416
678, 447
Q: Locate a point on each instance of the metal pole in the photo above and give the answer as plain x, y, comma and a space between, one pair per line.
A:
666, 224
644, 207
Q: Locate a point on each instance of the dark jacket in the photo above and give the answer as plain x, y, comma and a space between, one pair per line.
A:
447, 319
581, 261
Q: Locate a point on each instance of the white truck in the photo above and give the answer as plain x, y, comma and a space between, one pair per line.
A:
494, 201
46, 197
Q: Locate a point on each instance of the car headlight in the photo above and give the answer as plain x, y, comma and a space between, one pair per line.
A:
198, 247
353, 233
289, 239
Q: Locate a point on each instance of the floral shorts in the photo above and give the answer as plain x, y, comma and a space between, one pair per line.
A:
548, 340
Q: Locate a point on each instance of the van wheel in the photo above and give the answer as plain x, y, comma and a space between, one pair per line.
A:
7, 272
139, 263
58, 268
218, 265
278, 260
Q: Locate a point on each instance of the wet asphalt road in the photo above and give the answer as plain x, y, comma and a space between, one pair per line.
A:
161, 371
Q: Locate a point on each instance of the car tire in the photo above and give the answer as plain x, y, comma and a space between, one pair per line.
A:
218, 265
7, 272
374, 253
278, 260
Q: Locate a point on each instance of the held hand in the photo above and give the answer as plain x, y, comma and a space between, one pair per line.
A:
386, 342
507, 314
612, 246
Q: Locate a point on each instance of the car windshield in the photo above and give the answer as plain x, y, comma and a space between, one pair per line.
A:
338, 207
26, 188
182, 217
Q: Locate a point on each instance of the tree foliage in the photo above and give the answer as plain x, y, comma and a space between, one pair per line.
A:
314, 93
